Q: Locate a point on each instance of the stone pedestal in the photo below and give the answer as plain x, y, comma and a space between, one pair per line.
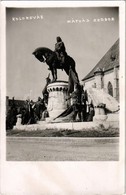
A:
100, 113
18, 123
58, 93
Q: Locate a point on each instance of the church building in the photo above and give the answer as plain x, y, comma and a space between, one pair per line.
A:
105, 75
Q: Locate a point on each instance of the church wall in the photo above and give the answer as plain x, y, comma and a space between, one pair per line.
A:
108, 77
89, 83
111, 77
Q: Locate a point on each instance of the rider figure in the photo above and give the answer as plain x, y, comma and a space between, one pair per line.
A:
60, 50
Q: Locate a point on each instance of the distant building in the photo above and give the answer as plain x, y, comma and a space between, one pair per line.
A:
105, 75
17, 103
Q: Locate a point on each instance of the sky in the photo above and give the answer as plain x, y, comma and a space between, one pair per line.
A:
86, 39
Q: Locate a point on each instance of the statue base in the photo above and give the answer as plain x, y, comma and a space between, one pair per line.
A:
57, 104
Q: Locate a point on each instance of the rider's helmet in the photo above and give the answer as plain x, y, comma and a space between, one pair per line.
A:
58, 39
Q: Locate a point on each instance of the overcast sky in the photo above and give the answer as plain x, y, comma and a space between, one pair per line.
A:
86, 42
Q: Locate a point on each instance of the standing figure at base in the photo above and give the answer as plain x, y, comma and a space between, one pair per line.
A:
76, 103
84, 105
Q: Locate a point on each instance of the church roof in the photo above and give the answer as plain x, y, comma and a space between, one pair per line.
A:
107, 62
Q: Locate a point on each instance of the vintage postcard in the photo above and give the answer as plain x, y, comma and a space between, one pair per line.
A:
62, 97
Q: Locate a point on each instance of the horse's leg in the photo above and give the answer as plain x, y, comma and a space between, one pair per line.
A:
54, 74
66, 70
52, 71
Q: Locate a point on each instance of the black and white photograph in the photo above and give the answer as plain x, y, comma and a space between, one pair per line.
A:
63, 92
62, 83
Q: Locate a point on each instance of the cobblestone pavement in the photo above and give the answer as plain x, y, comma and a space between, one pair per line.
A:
62, 149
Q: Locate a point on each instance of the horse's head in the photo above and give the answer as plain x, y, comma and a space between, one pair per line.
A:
38, 55
41, 52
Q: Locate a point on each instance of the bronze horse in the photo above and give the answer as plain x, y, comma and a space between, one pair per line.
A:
44, 54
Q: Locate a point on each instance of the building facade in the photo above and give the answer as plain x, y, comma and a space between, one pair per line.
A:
105, 75
11, 102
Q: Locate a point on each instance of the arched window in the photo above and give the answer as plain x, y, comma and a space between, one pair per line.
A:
110, 88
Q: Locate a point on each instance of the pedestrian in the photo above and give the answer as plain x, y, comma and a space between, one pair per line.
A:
91, 113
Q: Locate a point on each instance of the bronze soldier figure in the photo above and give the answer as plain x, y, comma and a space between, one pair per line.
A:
76, 102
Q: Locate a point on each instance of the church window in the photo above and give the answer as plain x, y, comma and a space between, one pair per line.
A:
110, 89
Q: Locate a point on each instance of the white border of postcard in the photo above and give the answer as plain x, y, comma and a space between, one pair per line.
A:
50, 177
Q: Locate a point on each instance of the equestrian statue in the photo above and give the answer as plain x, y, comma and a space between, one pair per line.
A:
57, 59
